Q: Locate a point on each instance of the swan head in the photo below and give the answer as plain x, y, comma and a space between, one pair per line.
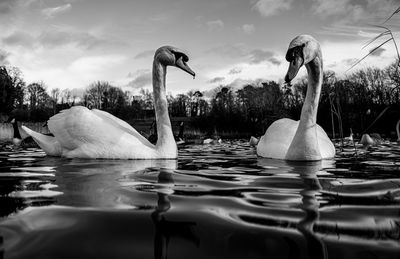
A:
11, 120
301, 51
171, 56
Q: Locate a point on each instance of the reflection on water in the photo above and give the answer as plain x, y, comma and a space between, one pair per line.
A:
216, 201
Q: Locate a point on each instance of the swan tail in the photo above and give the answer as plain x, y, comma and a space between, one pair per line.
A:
49, 144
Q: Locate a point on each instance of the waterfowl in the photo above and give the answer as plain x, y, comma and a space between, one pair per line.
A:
179, 139
17, 140
253, 141
370, 140
398, 130
302, 140
350, 137
83, 133
215, 140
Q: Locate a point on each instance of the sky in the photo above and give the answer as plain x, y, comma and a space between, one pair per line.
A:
72, 43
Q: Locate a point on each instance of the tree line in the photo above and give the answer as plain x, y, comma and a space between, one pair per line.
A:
353, 101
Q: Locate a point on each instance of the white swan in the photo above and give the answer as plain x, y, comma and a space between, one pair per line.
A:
398, 130
300, 140
83, 133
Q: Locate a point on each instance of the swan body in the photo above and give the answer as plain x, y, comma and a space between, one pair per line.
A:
350, 137
302, 140
83, 133
370, 140
366, 140
212, 141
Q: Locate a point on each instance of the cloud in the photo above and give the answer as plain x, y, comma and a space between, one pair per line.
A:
239, 83
376, 53
95, 64
19, 38
3, 57
255, 56
275, 61
327, 8
235, 70
258, 55
229, 50
6, 6
145, 54
271, 7
59, 37
143, 77
53, 11
216, 80
354, 12
216, 25
138, 73
347, 63
351, 31
248, 28
163, 17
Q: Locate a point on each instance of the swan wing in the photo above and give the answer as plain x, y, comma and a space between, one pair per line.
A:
84, 133
325, 144
123, 125
277, 139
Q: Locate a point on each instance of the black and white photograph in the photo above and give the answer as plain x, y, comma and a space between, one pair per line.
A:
199, 129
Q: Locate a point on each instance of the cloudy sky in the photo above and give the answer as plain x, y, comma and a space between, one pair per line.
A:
71, 43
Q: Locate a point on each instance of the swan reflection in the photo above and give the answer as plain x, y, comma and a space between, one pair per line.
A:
307, 172
96, 230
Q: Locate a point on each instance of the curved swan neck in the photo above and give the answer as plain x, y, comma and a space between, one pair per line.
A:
310, 107
305, 144
398, 130
165, 141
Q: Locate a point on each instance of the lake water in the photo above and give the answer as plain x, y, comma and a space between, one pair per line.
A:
215, 201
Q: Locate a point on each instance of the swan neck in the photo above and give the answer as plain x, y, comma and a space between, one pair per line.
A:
398, 130
310, 107
164, 130
16, 130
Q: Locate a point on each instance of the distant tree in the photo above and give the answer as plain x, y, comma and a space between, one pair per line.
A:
55, 95
18, 85
179, 105
96, 94
37, 95
147, 99
11, 89
195, 101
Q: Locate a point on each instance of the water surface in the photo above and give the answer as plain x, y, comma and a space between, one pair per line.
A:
215, 201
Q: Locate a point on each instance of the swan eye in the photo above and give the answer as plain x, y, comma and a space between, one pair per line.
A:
179, 55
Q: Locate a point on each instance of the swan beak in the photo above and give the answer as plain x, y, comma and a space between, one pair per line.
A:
294, 67
182, 65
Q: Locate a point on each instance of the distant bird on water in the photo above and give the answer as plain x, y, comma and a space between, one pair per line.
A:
370, 139
17, 139
253, 141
